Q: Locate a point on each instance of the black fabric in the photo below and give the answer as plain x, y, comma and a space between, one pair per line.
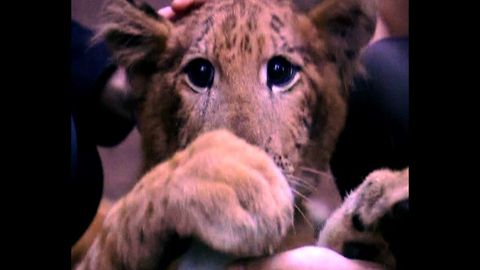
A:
86, 185
90, 70
91, 125
376, 132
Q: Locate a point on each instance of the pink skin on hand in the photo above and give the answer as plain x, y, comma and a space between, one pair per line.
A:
179, 7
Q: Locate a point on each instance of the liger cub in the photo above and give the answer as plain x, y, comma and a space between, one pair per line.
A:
239, 105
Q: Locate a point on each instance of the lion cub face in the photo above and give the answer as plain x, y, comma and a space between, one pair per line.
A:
272, 76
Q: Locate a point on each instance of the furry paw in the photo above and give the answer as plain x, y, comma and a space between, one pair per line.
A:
229, 194
370, 220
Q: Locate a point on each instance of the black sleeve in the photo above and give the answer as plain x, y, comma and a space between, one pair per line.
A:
91, 125
376, 132
90, 70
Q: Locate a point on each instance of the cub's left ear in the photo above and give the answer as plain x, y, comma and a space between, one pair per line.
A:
136, 34
346, 26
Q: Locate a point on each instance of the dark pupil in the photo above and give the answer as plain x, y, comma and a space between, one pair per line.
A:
200, 72
279, 71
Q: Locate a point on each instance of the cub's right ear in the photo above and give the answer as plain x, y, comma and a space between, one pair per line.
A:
135, 33
346, 26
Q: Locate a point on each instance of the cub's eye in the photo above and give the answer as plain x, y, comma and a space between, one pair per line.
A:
199, 73
281, 74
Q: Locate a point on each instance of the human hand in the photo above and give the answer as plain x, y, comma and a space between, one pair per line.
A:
306, 258
178, 8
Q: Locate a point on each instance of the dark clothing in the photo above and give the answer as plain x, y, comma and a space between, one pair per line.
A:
376, 132
91, 125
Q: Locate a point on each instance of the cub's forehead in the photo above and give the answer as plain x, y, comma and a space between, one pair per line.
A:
241, 28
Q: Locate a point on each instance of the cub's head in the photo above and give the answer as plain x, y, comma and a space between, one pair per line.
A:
272, 75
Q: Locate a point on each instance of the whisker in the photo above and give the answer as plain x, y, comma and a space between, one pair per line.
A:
301, 181
300, 185
315, 171
293, 225
304, 216
300, 194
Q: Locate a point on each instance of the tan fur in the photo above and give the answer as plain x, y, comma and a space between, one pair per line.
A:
181, 195
237, 166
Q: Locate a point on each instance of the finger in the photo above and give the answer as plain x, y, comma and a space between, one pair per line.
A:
167, 12
180, 6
